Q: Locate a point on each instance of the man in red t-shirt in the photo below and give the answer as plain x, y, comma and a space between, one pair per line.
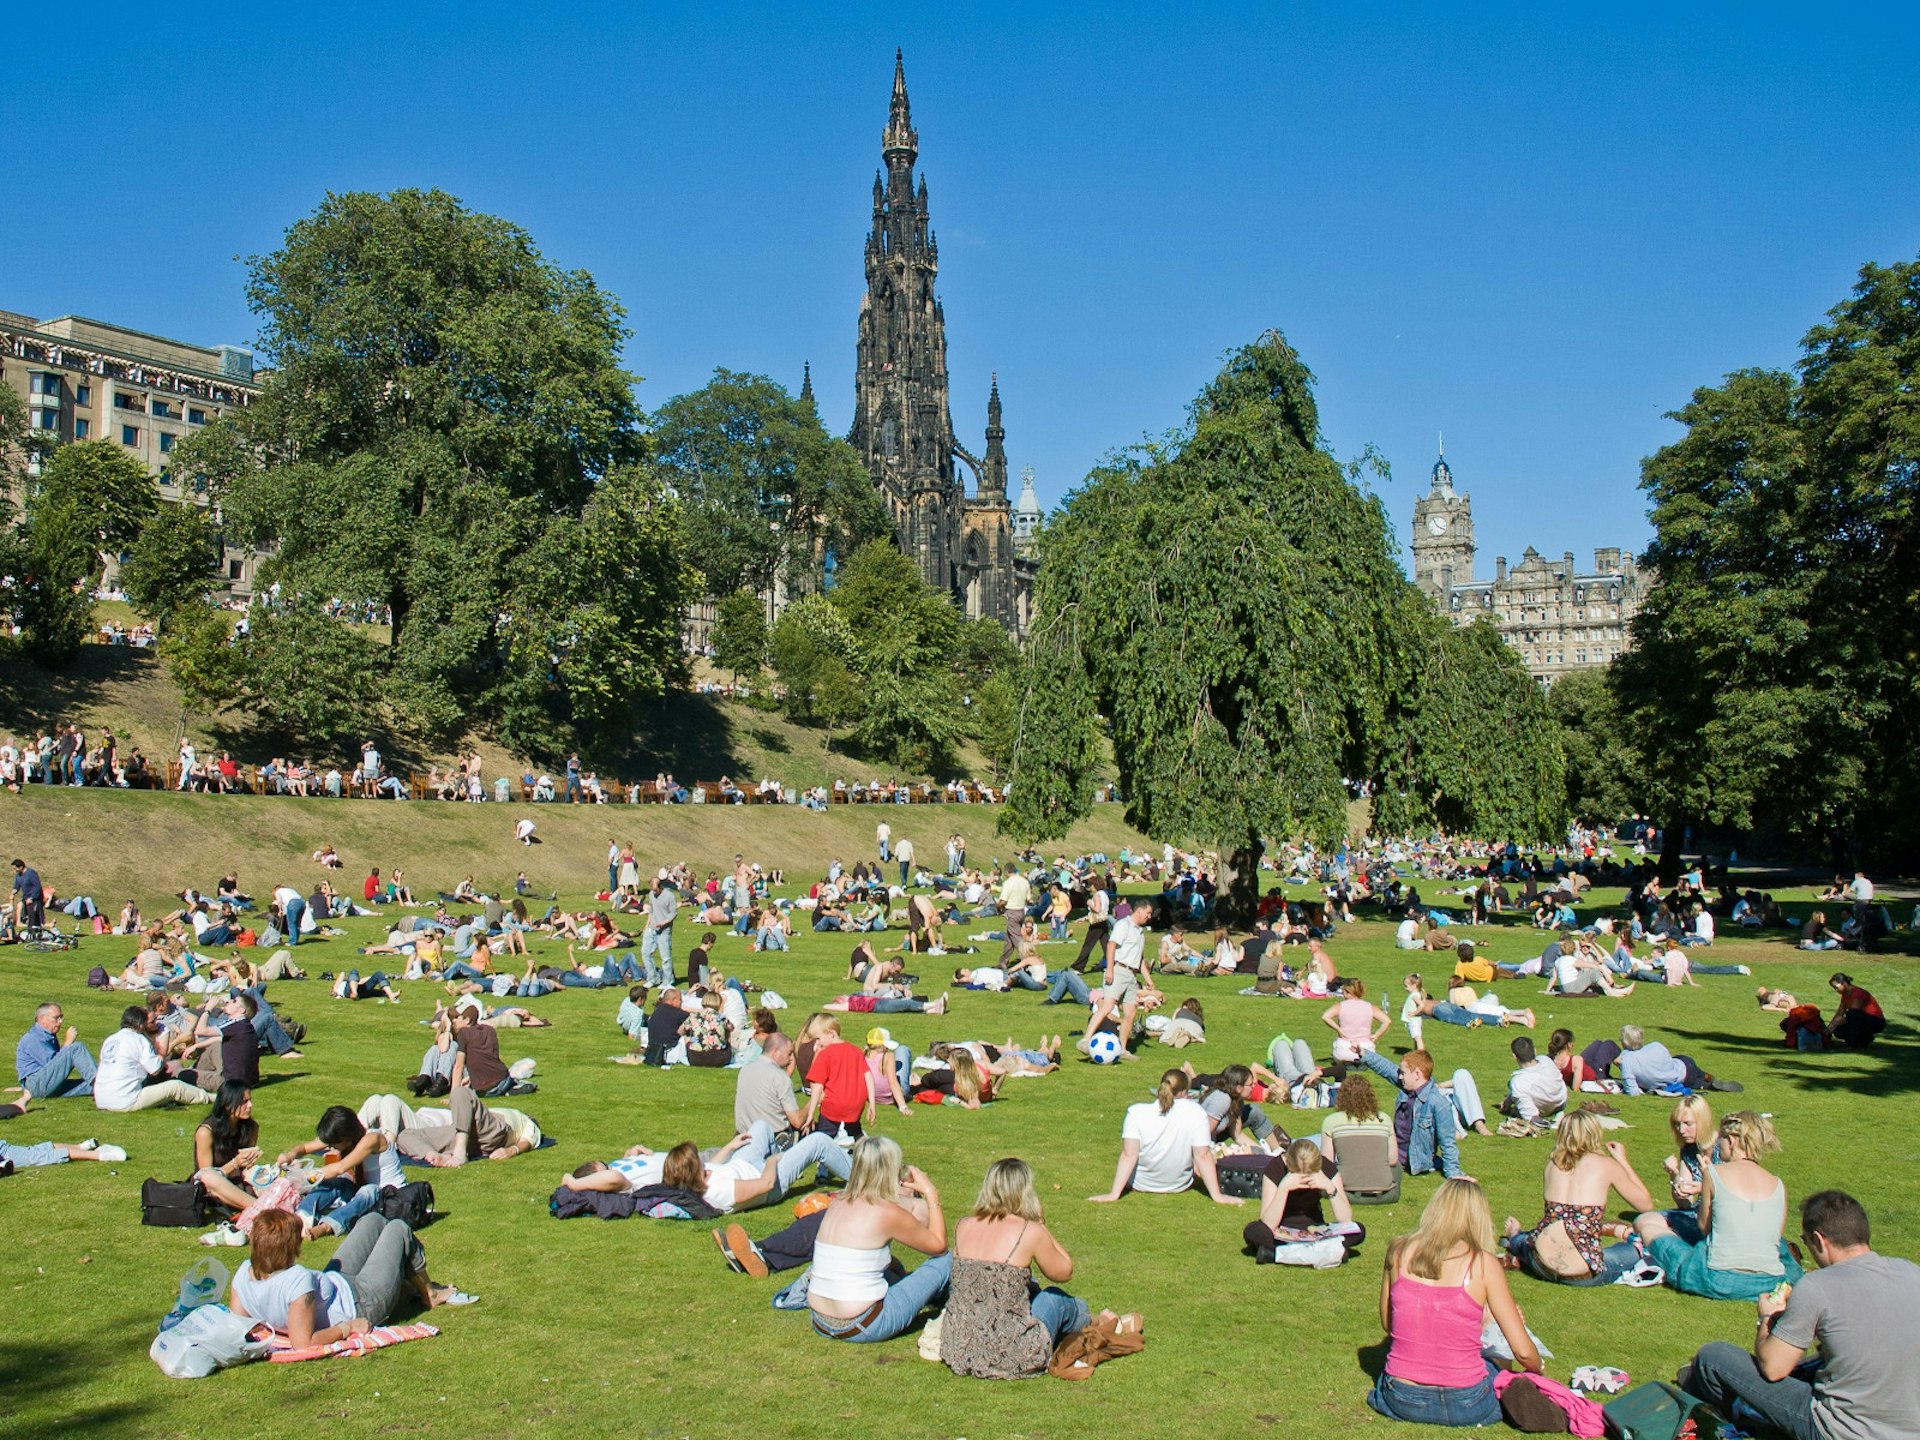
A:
840, 1086
371, 890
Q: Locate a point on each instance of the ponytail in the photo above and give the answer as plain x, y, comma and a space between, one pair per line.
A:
1173, 1085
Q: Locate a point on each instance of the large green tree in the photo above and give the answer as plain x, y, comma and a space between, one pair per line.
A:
1473, 747
1231, 604
766, 493
173, 563
740, 634
448, 437
111, 492
1773, 675
1601, 763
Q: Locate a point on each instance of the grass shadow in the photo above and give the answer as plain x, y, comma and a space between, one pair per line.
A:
1372, 1359
1895, 1056
41, 1378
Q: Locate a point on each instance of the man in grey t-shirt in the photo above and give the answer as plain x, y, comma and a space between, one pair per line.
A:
662, 906
1859, 1306
764, 1090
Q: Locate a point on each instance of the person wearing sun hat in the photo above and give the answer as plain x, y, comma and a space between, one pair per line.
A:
901, 1059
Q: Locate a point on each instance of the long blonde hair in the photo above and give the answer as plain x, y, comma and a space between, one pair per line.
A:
1007, 1190
968, 1083
1702, 1112
1579, 1133
874, 1175
1456, 1216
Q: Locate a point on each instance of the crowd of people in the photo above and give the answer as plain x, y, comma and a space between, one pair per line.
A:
808, 1103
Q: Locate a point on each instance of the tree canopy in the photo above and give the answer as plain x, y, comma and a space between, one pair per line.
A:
449, 447
1773, 671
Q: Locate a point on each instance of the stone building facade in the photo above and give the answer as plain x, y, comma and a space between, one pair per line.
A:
964, 544
1556, 616
88, 380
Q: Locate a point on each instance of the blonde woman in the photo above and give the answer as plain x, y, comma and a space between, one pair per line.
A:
1291, 1196
848, 1290
1691, 1123
1570, 1244
1743, 1212
1437, 1286
998, 1326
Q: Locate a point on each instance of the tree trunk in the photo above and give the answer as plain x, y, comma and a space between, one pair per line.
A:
1672, 834
1238, 892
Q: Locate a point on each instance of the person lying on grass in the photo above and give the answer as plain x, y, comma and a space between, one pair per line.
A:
378, 1267
471, 1130
744, 1174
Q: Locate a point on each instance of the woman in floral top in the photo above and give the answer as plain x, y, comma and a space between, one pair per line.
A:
706, 1035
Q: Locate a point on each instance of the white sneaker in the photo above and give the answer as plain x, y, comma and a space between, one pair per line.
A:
112, 1154
223, 1234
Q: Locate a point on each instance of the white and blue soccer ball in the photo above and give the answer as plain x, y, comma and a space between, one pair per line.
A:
1104, 1048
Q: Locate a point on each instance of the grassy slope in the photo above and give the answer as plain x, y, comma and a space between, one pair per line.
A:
590, 1327
126, 690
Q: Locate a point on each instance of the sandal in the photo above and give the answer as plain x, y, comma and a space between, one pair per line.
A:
1131, 1323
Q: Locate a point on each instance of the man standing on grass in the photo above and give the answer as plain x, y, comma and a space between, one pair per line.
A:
1126, 954
1859, 1306
883, 837
29, 896
662, 906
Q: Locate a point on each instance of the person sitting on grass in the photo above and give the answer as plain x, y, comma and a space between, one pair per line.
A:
1569, 1245
1356, 1110
1233, 1114
1165, 1145
377, 1267
1438, 1286
1536, 1090
1432, 1116
129, 1064
999, 1325
848, 1291
1858, 1306
345, 1188
1292, 1192
1741, 1214
1857, 1018
226, 1145
1356, 1022
50, 1068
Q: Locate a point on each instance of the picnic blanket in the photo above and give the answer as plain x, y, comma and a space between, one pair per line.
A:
285, 1352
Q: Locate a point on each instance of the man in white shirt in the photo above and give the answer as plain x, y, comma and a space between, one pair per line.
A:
1165, 1145
1536, 1090
1015, 895
293, 910
1126, 954
662, 906
883, 837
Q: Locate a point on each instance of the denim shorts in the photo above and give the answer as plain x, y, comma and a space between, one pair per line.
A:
1436, 1404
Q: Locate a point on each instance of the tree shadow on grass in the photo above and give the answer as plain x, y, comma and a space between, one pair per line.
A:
1894, 1057
38, 1377
685, 735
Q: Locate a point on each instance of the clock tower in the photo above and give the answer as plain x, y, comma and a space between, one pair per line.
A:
1442, 536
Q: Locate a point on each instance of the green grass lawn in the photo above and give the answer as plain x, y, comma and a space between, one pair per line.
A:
637, 1327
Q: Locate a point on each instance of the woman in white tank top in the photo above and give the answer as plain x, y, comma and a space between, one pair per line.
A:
848, 1288
1743, 1211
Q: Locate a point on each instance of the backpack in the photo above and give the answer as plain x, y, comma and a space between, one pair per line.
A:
411, 1202
1655, 1411
173, 1202
98, 979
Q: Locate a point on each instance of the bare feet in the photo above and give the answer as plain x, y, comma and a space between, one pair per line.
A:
1511, 1228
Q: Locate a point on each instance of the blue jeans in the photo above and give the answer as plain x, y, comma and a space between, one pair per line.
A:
1025, 979
905, 1299
816, 1150
533, 988
1726, 1377
50, 1081
1615, 1260
1067, 984
266, 1024
621, 967
1436, 1404
1448, 1013
1060, 1312
659, 943
767, 938
339, 1202
460, 970
296, 912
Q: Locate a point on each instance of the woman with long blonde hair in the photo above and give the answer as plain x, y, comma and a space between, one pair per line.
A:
1570, 1244
998, 1326
1743, 1214
1691, 1123
1436, 1287
883, 1202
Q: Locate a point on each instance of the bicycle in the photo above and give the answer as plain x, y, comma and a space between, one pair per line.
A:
46, 939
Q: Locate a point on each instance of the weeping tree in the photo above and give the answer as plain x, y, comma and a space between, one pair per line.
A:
1229, 604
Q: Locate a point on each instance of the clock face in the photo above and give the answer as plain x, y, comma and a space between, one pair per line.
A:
1436, 524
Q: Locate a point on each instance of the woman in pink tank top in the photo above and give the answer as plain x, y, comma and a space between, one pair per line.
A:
1356, 1020
1438, 1284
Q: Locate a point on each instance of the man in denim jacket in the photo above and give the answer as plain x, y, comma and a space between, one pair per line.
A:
1427, 1120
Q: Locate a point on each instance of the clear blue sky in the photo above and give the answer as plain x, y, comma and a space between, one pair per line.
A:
1535, 227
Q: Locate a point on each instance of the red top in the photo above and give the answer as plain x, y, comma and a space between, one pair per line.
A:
1853, 997
372, 887
843, 1068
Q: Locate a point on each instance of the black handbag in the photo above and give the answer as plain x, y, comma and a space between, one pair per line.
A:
1241, 1174
411, 1202
173, 1202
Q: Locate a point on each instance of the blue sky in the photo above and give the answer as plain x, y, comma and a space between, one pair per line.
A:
1536, 228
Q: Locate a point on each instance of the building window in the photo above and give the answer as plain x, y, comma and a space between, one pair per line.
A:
83, 394
166, 443
163, 409
129, 434
40, 383
46, 419
196, 417
199, 484
81, 428
234, 569
128, 402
